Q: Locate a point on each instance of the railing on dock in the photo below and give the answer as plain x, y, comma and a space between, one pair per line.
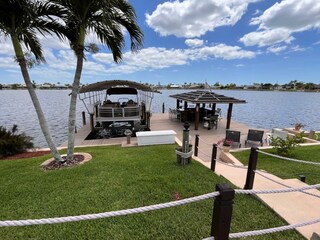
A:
118, 112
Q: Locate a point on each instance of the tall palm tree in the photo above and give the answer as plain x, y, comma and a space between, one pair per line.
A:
20, 20
106, 18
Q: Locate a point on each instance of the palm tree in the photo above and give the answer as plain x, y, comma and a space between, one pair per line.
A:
20, 20
106, 18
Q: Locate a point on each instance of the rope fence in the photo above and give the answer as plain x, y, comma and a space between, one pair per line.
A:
269, 230
284, 185
14, 223
288, 159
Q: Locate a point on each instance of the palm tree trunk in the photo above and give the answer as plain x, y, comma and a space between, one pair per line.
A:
42, 120
73, 101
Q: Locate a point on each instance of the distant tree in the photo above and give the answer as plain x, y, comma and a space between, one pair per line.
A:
34, 84
1, 86
309, 86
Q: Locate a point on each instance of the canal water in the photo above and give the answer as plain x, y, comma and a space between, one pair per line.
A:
264, 109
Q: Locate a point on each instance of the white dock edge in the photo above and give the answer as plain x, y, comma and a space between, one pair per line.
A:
156, 137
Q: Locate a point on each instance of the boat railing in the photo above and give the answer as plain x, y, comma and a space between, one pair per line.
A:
119, 112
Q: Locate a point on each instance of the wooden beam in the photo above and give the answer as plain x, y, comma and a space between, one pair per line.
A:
214, 107
178, 104
229, 115
196, 120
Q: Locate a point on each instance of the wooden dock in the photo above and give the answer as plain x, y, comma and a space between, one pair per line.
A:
161, 121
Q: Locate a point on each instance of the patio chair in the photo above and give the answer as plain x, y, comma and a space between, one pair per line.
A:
254, 136
213, 122
234, 137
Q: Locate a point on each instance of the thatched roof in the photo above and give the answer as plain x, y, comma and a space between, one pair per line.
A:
205, 97
115, 83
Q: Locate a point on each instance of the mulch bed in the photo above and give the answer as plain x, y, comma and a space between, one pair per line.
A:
53, 165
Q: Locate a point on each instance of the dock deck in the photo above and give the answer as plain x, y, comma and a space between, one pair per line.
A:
161, 121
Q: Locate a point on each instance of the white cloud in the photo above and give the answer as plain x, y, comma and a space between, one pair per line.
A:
193, 18
224, 51
239, 65
267, 37
297, 48
278, 23
194, 42
159, 58
276, 49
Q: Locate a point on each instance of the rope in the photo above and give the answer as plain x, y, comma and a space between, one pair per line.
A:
269, 230
232, 165
204, 142
204, 153
242, 191
288, 159
184, 155
13, 223
284, 185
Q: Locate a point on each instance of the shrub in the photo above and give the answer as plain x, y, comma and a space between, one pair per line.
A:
285, 147
12, 143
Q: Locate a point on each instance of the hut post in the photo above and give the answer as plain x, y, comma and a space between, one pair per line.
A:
178, 104
196, 120
185, 105
213, 107
229, 115
92, 121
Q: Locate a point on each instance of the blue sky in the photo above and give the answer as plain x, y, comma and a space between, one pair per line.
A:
234, 41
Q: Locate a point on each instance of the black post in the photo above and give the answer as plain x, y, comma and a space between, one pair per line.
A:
252, 165
196, 145
222, 212
162, 107
214, 157
84, 122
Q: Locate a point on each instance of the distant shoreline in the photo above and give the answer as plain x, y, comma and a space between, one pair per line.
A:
191, 89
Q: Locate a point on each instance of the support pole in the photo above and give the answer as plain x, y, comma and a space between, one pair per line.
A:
196, 145
91, 121
163, 108
214, 157
185, 142
252, 165
229, 115
84, 122
222, 212
197, 116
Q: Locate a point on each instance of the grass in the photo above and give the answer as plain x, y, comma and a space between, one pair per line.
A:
119, 178
286, 169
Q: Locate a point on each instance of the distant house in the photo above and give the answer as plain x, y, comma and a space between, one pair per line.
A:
175, 86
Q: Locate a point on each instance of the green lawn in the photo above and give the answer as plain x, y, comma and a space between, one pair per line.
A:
286, 169
119, 178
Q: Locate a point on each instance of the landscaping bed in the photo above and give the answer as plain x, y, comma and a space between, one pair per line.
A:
119, 178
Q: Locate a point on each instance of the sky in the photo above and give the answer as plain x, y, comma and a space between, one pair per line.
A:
196, 41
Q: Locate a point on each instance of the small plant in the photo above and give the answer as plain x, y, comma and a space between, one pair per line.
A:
285, 147
225, 142
12, 143
298, 126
